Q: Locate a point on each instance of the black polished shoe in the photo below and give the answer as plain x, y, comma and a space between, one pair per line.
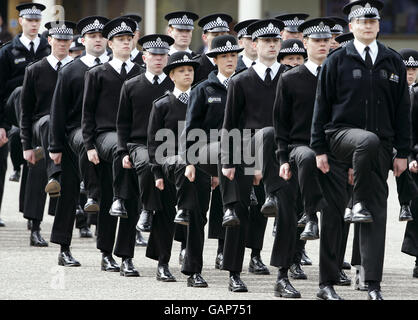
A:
230, 218
196, 281
270, 207
328, 293
91, 206
67, 260
257, 266
36, 240
359, 283
311, 231
343, 280
2, 224
305, 260
284, 288
164, 274
348, 215
118, 209
219, 260
29, 225
374, 295
253, 198
346, 266
182, 217
181, 256
405, 213
15, 176
145, 221
85, 233
415, 272
53, 188
361, 214
140, 240
127, 269
303, 221
236, 284
109, 264
296, 272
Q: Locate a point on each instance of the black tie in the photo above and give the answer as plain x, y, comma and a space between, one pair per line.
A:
267, 79
97, 60
32, 48
156, 80
59, 64
368, 59
253, 63
123, 71
318, 70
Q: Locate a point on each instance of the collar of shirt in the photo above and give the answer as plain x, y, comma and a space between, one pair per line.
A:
222, 78
177, 92
117, 65
26, 42
174, 50
134, 53
89, 60
312, 67
260, 69
360, 49
151, 76
247, 61
53, 61
210, 59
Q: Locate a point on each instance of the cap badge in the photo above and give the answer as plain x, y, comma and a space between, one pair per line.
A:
228, 44
185, 17
123, 25
34, 8
96, 22
63, 26
158, 40
296, 19
270, 26
295, 46
411, 59
186, 58
219, 20
367, 5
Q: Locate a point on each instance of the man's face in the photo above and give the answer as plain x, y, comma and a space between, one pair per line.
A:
209, 36
60, 48
155, 62
317, 49
121, 45
249, 49
95, 43
182, 76
286, 35
181, 37
30, 27
227, 63
365, 30
334, 44
267, 48
292, 60
411, 75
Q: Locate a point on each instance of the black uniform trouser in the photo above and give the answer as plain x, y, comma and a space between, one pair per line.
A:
215, 229
41, 136
300, 244
34, 195
148, 194
106, 145
124, 244
88, 171
410, 241
15, 147
371, 159
3, 168
257, 221
22, 188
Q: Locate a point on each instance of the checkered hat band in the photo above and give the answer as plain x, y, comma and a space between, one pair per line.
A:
266, 30
92, 27
182, 61
410, 63
344, 43
242, 33
338, 27
181, 21
227, 49
216, 24
62, 31
156, 44
316, 29
293, 50
30, 11
361, 12
293, 23
121, 28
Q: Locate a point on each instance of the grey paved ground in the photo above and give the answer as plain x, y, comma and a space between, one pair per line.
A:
33, 273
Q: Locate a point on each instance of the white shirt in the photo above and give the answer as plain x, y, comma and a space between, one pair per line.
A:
53, 61
221, 77
134, 53
26, 42
312, 67
117, 65
360, 49
177, 92
261, 69
89, 60
174, 50
247, 61
151, 76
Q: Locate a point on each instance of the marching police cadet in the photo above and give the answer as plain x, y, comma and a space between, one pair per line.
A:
234, 180
410, 242
292, 53
136, 55
100, 106
66, 140
249, 55
180, 28
77, 48
361, 114
36, 97
292, 21
213, 25
167, 113
15, 55
336, 30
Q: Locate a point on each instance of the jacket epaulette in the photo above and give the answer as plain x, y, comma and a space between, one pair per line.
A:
93, 67
166, 94
4, 44
197, 56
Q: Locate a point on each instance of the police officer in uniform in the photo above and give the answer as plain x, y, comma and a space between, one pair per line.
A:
136, 55
249, 55
292, 21
77, 48
361, 114
180, 28
336, 30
